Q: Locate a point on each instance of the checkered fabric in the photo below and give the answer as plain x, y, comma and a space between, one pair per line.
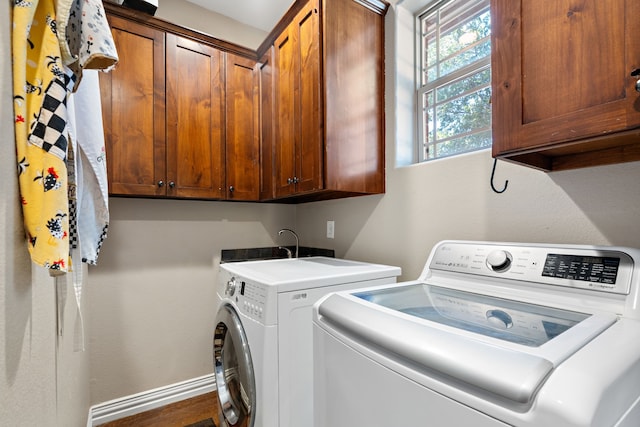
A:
49, 129
103, 237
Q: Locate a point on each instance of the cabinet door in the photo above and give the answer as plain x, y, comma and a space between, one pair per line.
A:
309, 147
298, 142
267, 178
354, 102
561, 73
195, 117
242, 132
286, 126
134, 111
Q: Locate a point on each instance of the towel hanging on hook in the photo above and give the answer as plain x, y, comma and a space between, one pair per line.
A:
493, 171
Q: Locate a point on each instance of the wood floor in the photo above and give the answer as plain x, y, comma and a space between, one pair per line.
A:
197, 410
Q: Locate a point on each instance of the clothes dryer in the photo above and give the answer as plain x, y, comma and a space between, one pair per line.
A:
262, 344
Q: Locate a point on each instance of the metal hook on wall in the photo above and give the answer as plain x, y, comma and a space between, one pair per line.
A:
493, 172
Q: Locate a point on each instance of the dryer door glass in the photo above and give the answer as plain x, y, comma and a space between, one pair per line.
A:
235, 380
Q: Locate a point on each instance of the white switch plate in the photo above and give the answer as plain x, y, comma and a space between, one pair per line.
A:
331, 228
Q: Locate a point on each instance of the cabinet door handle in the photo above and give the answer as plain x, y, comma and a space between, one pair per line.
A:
160, 183
231, 189
289, 181
636, 73
295, 180
172, 184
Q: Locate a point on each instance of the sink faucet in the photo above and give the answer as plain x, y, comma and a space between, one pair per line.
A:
294, 235
286, 249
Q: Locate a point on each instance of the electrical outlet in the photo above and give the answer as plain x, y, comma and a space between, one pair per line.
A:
331, 228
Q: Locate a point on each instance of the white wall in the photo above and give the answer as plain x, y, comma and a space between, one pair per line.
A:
42, 381
452, 199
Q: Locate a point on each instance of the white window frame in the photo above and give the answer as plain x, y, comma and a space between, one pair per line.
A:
422, 89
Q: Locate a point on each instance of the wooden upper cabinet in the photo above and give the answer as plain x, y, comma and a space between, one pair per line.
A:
195, 120
242, 129
298, 150
190, 116
329, 108
134, 111
309, 149
353, 55
563, 94
285, 114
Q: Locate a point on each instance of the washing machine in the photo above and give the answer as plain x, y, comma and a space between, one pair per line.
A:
491, 334
262, 343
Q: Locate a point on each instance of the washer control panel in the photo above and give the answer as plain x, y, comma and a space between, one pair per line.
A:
577, 267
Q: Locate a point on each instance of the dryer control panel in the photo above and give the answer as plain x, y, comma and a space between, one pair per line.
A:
249, 297
579, 267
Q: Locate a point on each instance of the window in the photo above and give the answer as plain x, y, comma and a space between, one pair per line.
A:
454, 91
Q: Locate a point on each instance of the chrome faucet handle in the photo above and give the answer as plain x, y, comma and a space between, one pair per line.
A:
294, 235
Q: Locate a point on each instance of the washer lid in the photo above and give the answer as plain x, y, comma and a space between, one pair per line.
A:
505, 347
512, 321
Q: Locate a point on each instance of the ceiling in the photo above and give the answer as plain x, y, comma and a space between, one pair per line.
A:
261, 14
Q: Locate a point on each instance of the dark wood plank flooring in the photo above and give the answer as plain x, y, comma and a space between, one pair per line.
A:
179, 414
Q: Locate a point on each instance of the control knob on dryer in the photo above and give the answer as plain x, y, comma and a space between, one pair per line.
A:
231, 287
499, 260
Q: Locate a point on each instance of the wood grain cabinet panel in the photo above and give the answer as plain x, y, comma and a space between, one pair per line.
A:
195, 120
563, 94
285, 118
266, 76
354, 95
243, 133
329, 101
133, 106
298, 117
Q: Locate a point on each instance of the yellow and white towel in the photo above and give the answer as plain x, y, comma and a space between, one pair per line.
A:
41, 85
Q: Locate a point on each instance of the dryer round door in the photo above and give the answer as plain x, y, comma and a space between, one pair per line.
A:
235, 381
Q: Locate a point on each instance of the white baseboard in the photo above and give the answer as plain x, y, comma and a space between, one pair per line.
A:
145, 401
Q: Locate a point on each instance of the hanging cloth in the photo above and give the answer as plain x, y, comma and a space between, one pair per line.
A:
41, 86
85, 38
87, 44
91, 196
